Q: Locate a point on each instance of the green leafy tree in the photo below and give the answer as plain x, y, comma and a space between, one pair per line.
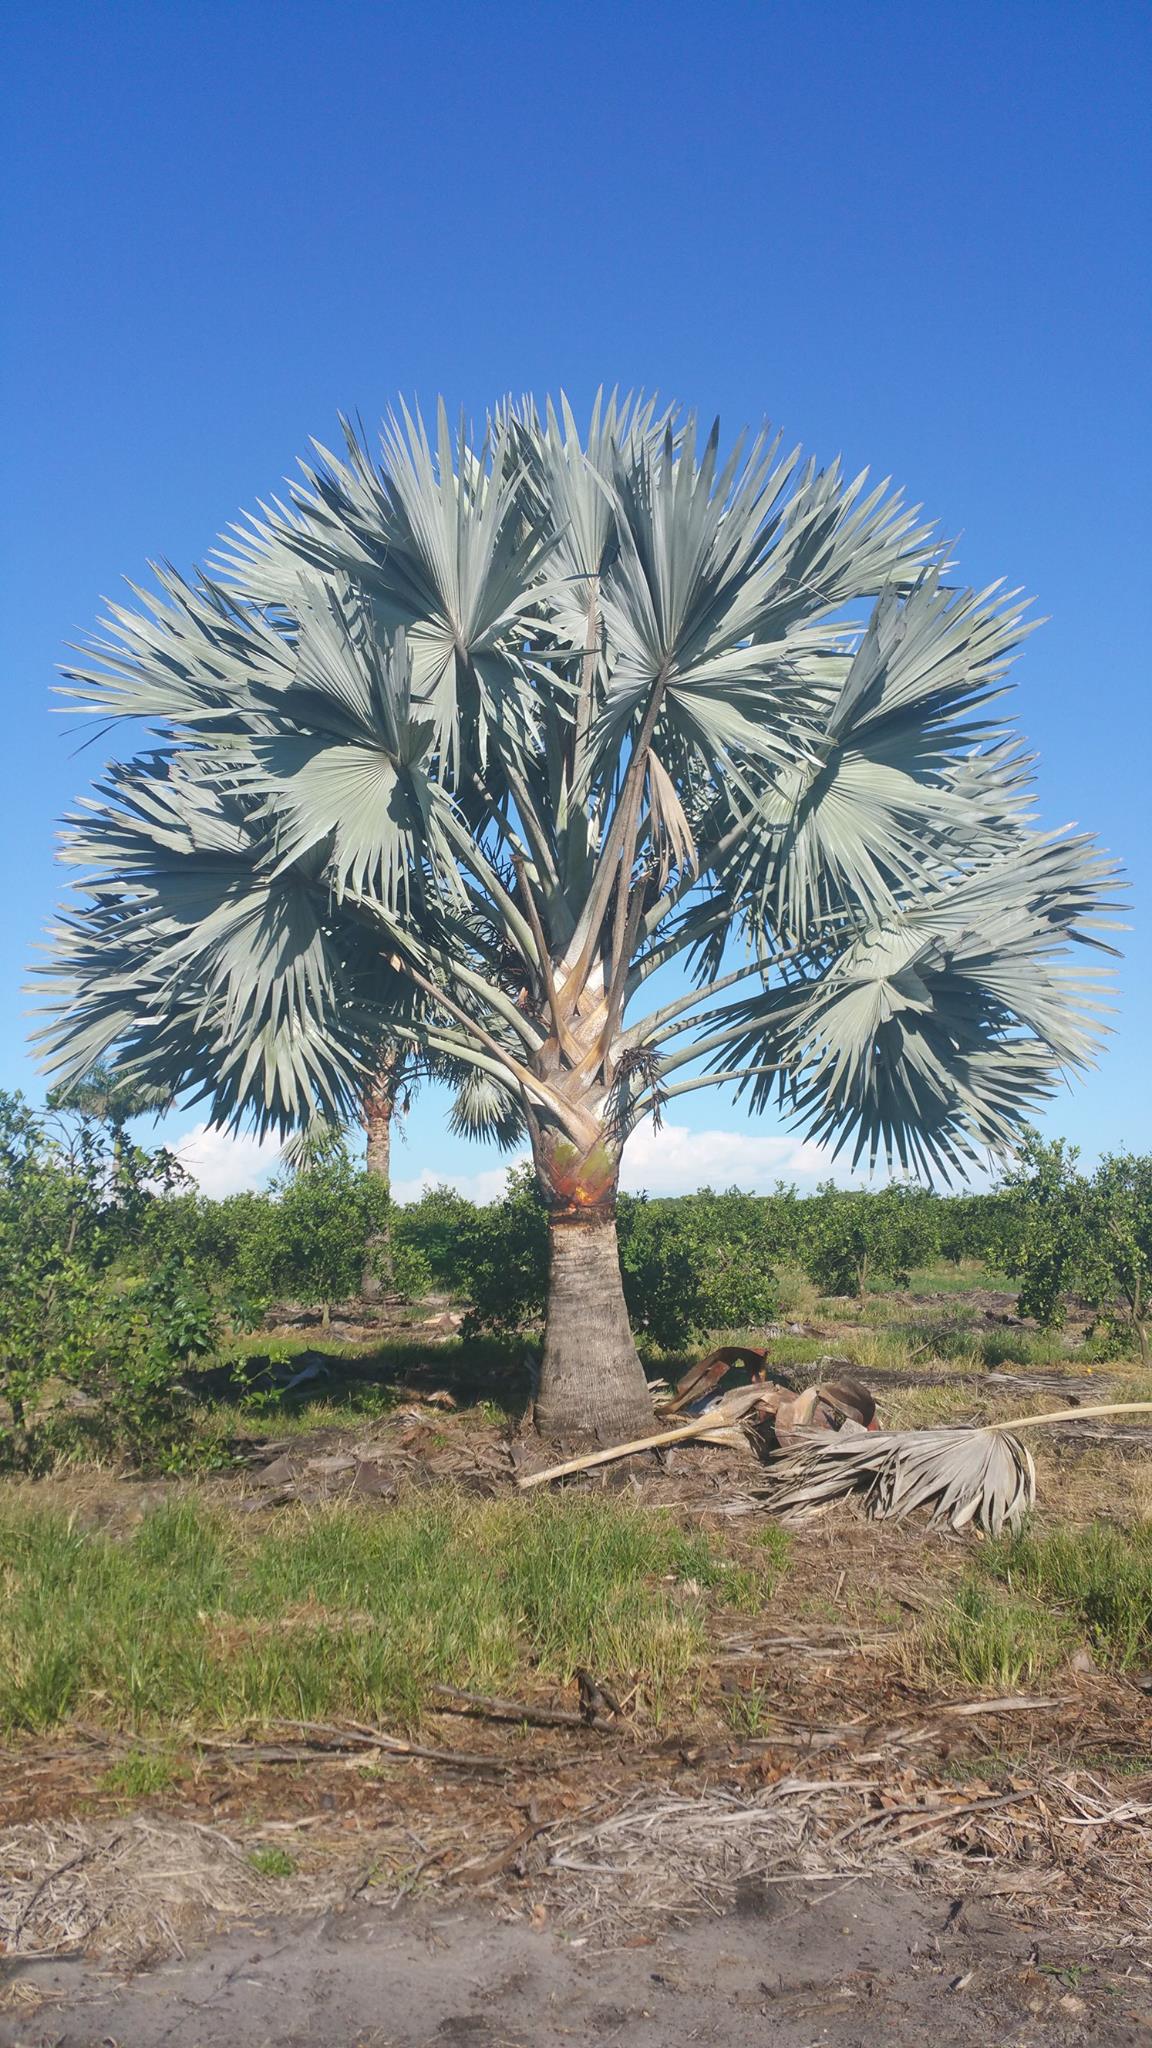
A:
315, 1230
480, 734
697, 1264
1044, 1235
501, 1251
431, 1229
1116, 1277
396, 1071
1088, 1235
972, 1227
854, 1238
73, 1193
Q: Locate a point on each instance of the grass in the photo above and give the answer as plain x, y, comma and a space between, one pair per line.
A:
140, 1774
1032, 1599
194, 1620
1098, 1579
945, 1276
988, 1641
272, 1862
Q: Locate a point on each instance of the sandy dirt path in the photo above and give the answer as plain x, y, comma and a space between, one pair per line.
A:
855, 1965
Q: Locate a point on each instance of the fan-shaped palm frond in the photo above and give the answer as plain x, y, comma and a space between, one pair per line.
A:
983, 1478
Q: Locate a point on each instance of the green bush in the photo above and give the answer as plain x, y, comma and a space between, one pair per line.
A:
854, 1238
313, 1237
696, 1264
78, 1338
431, 1229
1088, 1235
412, 1276
502, 1259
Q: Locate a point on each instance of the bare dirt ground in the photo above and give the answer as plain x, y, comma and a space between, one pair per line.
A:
858, 1965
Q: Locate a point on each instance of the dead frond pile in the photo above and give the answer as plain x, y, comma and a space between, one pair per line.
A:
983, 1478
1080, 1857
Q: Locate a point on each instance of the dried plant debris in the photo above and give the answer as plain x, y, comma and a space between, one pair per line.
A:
131, 1889
983, 1478
1064, 1843
621, 1864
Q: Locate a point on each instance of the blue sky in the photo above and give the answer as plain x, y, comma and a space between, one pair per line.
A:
920, 236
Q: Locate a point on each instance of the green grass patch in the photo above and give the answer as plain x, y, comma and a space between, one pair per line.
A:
943, 1276
140, 1774
1031, 1599
986, 1640
197, 1620
272, 1862
1098, 1580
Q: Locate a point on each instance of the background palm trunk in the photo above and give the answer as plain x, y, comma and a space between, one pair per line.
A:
592, 1383
379, 1108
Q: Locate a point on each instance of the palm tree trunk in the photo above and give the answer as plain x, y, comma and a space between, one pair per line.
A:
379, 1107
592, 1383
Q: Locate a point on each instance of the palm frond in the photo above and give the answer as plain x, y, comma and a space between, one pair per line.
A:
981, 1478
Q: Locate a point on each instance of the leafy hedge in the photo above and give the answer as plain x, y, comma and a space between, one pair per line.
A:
116, 1276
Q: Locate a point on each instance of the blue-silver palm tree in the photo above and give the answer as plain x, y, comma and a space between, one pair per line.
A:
479, 734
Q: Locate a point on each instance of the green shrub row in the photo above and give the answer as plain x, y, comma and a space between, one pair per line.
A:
116, 1277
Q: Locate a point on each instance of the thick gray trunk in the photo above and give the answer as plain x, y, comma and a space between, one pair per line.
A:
378, 1107
591, 1381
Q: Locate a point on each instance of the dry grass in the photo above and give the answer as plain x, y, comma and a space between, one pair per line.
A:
131, 1890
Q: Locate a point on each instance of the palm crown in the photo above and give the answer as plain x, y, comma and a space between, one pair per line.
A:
465, 744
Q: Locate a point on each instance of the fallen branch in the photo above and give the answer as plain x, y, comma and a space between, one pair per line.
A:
488, 1708
727, 1410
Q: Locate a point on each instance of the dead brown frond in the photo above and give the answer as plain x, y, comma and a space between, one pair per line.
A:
979, 1477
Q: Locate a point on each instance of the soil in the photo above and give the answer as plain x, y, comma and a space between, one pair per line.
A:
855, 1965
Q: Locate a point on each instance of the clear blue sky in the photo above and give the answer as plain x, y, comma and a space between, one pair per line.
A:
920, 235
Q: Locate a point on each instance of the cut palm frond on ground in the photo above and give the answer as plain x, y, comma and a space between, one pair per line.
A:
982, 1478
978, 1476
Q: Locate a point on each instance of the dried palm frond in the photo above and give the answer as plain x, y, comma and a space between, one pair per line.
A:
968, 1477
980, 1476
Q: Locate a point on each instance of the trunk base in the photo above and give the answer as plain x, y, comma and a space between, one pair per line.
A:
376, 1279
592, 1384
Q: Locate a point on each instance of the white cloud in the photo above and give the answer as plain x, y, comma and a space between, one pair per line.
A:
224, 1164
676, 1161
485, 1186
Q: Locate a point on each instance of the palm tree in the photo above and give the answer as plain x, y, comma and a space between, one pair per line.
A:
479, 742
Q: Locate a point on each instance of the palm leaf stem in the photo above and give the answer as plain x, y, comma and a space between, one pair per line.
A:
527, 814
619, 840
647, 1027
582, 1129
473, 858
644, 1104
559, 1019
1075, 1414
702, 1045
